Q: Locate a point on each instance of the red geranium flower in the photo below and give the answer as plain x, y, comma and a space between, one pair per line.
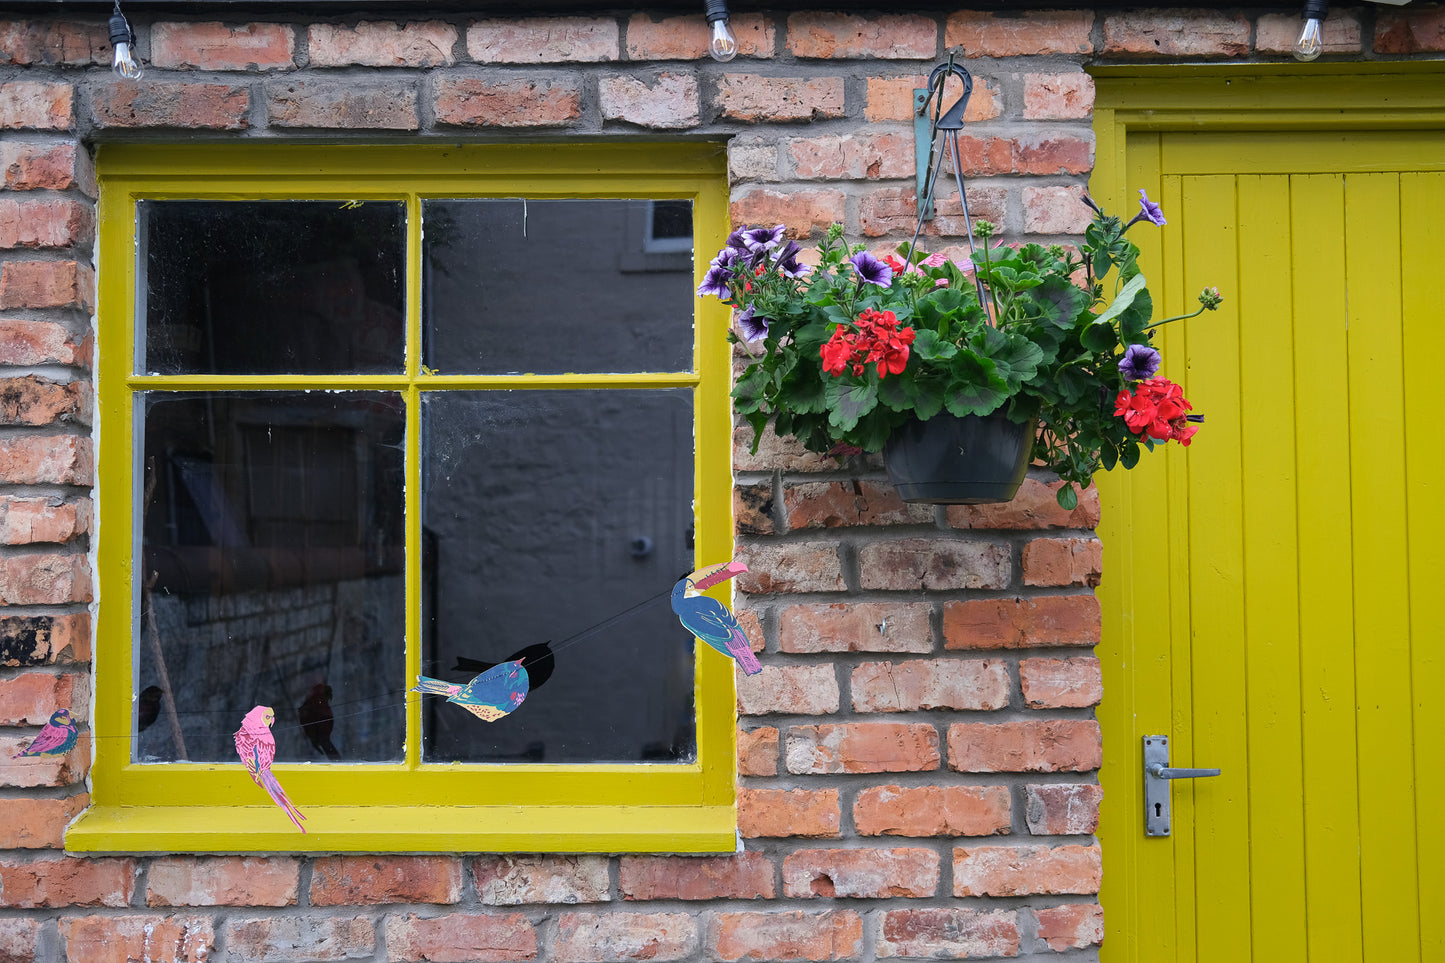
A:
1157, 407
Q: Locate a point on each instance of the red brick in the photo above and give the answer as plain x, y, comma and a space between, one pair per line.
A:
1063, 809
758, 751
543, 40
460, 938
855, 627
1063, 561
861, 873
46, 223
363, 880
1056, 154
44, 639
28, 521
1050, 745
34, 167
1027, 34
373, 43
804, 689
1162, 33
67, 881
18, 940
840, 36
223, 881
478, 102
1025, 870
894, 210
742, 876
788, 812
1061, 683
804, 213
32, 400
515, 880
795, 567
1035, 506
46, 460
750, 621
932, 811
1340, 33
1055, 210
960, 684
30, 698
24, 343
686, 38
849, 504
292, 938
668, 102
46, 284
948, 933
41, 43
37, 823
753, 509
592, 938
1404, 31
123, 939
215, 46
752, 160
891, 98
1073, 926
36, 105
774, 453
785, 936
860, 156
1058, 96
909, 564
44, 579
342, 104
862, 747
1019, 623
167, 103
752, 97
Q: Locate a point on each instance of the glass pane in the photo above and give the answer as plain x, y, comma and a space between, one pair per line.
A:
272, 287
560, 517
549, 287
271, 574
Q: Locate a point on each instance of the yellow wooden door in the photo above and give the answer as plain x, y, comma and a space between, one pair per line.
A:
1270, 593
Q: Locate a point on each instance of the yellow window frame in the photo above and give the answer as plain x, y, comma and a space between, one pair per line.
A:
407, 806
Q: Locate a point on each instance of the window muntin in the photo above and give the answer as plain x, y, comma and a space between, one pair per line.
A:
683, 805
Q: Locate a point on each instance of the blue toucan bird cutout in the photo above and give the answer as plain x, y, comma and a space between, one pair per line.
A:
709, 619
489, 696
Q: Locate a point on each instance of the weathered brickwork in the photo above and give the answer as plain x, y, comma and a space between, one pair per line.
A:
917, 759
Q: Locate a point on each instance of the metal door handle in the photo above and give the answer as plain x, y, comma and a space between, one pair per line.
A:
1164, 772
1156, 789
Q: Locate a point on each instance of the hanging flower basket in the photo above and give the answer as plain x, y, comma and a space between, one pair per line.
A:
948, 460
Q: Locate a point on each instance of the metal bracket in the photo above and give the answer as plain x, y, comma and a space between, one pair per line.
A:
922, 141
1157, 776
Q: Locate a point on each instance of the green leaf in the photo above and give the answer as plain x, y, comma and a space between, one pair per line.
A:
1059, 301
849, 402
1123, 299
929, 347
1129, 454
1018, 359
1134, 321
897, 393
1073, 384
1067, 497
1099, 337
976, 388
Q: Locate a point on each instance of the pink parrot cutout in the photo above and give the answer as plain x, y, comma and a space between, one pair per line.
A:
710, 620
257, 749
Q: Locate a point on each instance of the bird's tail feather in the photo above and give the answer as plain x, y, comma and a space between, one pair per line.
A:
279, 797
742, 650
435, 686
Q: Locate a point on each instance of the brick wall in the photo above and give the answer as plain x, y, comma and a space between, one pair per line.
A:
918, 756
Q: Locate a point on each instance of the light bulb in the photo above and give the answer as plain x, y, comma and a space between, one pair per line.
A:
1309, 45
724, 45
125, 66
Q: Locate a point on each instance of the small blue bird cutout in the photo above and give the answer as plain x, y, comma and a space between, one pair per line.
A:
709, 619
489, 696
56, 739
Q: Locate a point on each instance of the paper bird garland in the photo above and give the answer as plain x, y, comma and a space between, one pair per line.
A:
257, 749
58, 737
489, 697
709, 619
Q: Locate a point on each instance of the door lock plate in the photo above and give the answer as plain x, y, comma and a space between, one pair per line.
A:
1157, 777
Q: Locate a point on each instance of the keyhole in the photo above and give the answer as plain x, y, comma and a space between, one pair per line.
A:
1158, 809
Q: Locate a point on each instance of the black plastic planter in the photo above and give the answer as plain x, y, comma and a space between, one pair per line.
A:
948, 460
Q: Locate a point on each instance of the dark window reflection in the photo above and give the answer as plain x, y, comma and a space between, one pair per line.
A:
272, 287
548, 287
548, 513
271, 574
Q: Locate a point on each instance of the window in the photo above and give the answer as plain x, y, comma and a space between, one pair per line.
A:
375, 413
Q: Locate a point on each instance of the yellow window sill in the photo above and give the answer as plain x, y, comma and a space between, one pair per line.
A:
418, 829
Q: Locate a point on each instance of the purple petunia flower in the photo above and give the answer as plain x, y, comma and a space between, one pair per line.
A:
762, 238
729, 257
715, 282
1139, 362
752, 327
735, 239
1151, 212
787, 259
871, 270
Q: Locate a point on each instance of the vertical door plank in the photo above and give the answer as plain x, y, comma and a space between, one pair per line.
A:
1422, 237
1216, 565
1326, 612
1271, 558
